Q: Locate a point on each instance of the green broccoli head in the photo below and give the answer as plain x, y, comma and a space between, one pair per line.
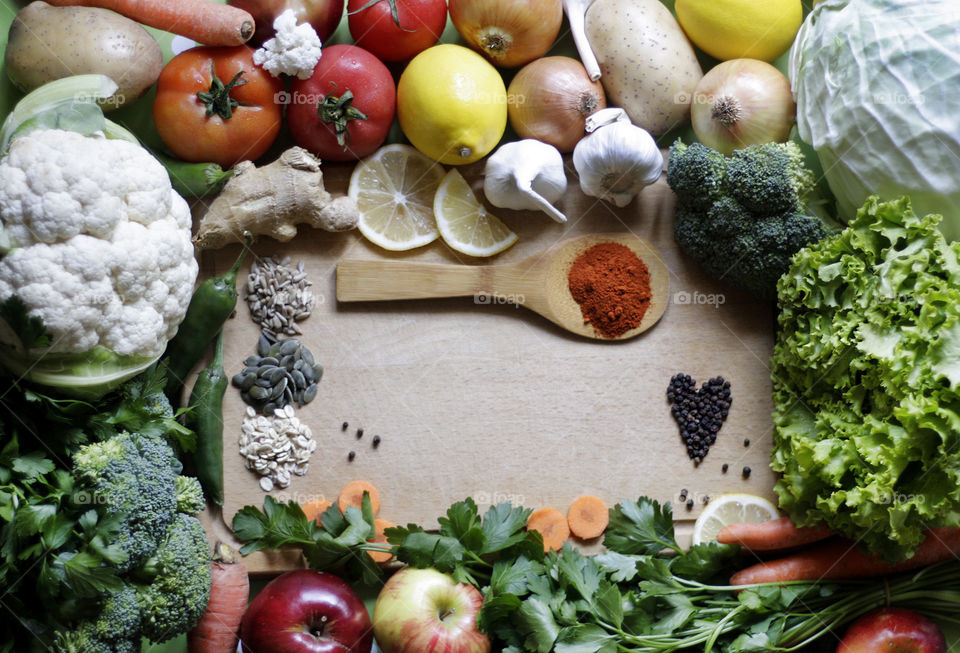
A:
697, 173
190, 499
740, 217
769, 179
133, 475
175, 582
116, 629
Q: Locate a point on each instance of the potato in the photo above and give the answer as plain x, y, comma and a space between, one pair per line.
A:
648, 66
48, 43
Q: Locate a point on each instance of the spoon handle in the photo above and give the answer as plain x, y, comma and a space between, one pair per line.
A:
369, 280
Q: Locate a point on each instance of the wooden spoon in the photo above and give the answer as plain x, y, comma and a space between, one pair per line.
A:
538, 282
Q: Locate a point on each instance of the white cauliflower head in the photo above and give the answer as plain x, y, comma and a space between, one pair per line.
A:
99, 243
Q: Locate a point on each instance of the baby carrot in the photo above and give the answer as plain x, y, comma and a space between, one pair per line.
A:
219, 627
842, 559
772, 535
206, 22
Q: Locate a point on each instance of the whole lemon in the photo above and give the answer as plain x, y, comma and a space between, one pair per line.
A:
735, 29
452, 104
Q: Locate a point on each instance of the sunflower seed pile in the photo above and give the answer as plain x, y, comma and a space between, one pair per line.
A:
279, 296
281, 373
276, 446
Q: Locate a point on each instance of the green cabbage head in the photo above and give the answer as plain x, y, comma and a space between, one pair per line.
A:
876, 83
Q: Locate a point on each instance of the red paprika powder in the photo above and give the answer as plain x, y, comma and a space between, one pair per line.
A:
612, 286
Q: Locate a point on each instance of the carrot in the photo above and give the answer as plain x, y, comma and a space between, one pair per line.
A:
842, 559
588, 517
352, 495
218, 630
772, 535
552, 525
206, 22
380, 556
315, 508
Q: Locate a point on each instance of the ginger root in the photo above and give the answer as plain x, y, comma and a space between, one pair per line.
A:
272, 201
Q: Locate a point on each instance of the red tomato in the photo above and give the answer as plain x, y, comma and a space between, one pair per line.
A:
344, 110
245, 113
373, 26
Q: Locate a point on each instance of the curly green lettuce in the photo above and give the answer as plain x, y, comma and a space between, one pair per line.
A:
866, 375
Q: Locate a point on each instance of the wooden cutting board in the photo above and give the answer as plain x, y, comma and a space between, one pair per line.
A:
494, 402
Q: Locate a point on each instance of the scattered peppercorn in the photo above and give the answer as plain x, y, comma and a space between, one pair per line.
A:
344, 427
746, 472
376, 441
725, 468
351, 455
746, 442
359, 433
690, 504
706, 500
698, 413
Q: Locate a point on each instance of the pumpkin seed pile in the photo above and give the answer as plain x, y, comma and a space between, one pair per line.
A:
279, 296
281, 373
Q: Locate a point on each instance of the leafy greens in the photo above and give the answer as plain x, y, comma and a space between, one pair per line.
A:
866, 372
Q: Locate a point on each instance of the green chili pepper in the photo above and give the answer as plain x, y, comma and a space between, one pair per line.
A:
206, 420
212, 303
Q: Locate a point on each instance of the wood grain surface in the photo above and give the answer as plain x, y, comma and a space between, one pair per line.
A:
495, 402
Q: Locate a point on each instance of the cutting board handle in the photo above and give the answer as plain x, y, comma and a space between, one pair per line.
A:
372, 280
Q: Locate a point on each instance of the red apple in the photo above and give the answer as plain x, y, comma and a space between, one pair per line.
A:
306, 611
324, 15
425, 611
893, 630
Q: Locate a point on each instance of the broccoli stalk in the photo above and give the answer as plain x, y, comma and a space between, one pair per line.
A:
742, 217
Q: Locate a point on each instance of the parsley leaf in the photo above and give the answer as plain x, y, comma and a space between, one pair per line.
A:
32, 465
31, 330
640, 527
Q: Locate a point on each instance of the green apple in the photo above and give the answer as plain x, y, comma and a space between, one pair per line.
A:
426, 611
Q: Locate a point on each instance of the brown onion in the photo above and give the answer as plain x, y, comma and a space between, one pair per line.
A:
742, 102
508, 33
550, 99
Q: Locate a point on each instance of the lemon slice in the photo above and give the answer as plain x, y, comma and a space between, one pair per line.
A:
394, 189
465, 223
731, 509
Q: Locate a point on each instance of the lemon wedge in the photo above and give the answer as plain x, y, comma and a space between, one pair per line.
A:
394, 190
731, 509
464, 223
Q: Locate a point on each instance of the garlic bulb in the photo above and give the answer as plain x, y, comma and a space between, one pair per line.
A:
526, 175
617, 159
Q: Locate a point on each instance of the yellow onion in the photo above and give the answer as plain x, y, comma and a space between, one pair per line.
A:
550, 99
742, 102
508, 33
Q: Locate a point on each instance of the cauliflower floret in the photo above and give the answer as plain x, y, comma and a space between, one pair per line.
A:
57, 184
101, 248
295, 50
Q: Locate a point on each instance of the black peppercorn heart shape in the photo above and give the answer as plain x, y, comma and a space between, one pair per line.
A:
698, 412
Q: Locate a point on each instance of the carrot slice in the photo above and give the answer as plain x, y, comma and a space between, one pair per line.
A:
772, 535
588, 517
552, 525
352, 495
381, 556
315, 508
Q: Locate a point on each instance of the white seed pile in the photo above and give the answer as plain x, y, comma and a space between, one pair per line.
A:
279, 296
276, 446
